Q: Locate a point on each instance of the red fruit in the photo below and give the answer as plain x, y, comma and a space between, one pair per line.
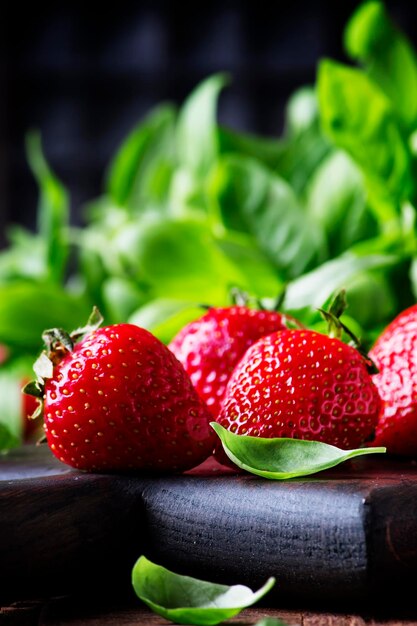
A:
4, 353
120, 400
210, 347
304, 385
32, 430
395, 354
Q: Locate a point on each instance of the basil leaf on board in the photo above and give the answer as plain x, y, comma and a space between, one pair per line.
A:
197, 140
358, 117
390, 61
186, 600
252, 199
282, 458
53, 211
142, 167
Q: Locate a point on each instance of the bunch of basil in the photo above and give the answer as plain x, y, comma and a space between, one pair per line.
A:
190, 209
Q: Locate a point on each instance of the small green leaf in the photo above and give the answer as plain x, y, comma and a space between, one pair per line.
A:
282, 458
390, 61
141, 167
43, 367
252, 199
11, 422
186, 600
302, 111
197, 141
34, 388
94, 322
315, 287
53, 212
336, 199
358, 117
305, 146
264, 149
165, 317
121, 297
180, 258
27, 308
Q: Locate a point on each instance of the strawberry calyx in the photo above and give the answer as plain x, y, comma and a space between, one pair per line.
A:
336, 328
58, 343
242, 298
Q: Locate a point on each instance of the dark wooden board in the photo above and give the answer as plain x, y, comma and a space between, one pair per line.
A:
74, 611
345, 537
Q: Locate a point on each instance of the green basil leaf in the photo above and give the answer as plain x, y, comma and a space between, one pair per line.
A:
305, 145
261, 278
186, 600
142, 168
11, 421
300, 158
371, 299
164, 317
302, 111
315, 287
358, 117
197, 141
264, 149
337, 200
389, 59
252, 199
53, 211
24, 258
27, 308
121, 297
179, 258
279, 459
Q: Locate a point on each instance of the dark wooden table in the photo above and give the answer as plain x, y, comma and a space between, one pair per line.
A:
343, 541
70, 612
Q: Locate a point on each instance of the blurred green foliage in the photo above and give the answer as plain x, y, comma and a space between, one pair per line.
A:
190, 210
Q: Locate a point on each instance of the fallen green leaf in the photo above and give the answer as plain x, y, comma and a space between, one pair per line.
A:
186, 600
282, 458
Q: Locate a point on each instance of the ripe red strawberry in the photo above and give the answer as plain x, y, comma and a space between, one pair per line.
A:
119, 400
210, 347
395, 354
304, 385
32, 430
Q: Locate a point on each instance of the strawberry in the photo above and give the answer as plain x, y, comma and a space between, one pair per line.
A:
210, 347
395, 354
118, 400
32, 430
305, 385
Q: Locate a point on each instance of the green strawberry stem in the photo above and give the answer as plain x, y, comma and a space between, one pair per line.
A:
336, 327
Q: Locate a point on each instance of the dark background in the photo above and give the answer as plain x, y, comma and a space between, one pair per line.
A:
84, 76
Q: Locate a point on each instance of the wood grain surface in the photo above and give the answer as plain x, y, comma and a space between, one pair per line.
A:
344, 539
73, 612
